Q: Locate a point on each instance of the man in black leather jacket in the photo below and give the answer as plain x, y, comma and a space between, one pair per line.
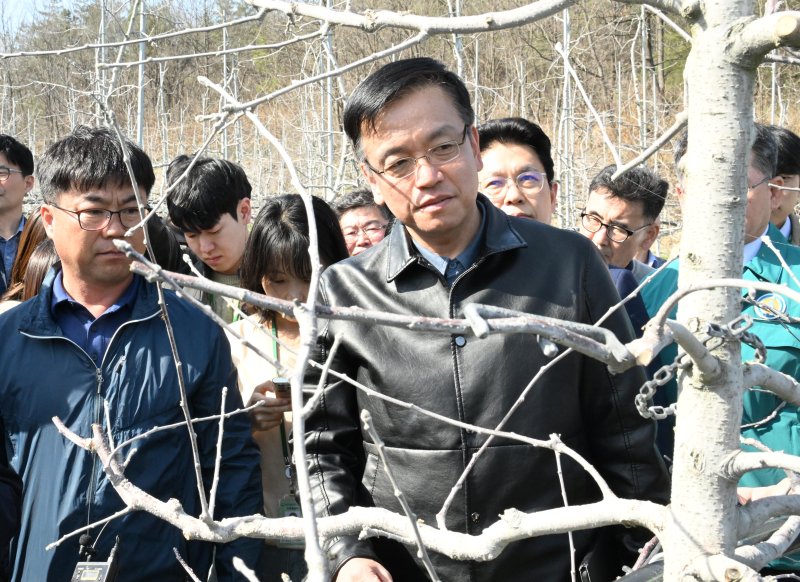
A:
411, 124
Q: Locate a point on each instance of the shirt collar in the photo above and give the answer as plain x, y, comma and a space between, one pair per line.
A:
786, 229
60, 295
751, 249
466, 257
22, 222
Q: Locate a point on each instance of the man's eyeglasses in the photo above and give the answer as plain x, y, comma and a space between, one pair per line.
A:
757, 184
6, 172
371, 230
99, 218
436, 156
614, 232
530, 182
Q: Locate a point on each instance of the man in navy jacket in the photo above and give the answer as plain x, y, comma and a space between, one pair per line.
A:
92, 349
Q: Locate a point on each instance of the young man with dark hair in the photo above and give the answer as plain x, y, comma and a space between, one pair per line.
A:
363, 222
411, 125
211, 205
16, 180
517, 173
93, 349
622, 214
788, 169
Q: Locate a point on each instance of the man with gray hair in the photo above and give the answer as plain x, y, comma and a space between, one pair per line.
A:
363, 222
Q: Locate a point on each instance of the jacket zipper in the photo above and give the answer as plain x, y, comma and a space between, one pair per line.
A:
98, 406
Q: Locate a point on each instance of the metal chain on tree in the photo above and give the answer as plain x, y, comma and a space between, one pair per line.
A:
717, 335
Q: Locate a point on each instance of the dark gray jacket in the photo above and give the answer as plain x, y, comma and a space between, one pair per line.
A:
523, 265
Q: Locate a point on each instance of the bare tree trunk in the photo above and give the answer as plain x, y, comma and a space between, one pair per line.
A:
720, 123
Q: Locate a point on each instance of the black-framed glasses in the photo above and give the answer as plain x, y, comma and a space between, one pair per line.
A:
99, 218
614, 232
530, 182
757, 184
371, 230
5, 173
436, 156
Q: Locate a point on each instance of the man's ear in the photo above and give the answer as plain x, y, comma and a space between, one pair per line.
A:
29, 180
245, 210
372, 180
476, 145
775, 195
47, 219
651, 234
554, 195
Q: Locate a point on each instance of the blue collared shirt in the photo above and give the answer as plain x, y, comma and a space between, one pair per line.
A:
452, 268
91, 334
8, 252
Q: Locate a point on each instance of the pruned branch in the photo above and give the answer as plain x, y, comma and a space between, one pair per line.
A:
756, 513
758, 555
756, 38
782, 385
373, 20
741, 462
708, 365
590, 340
513, 525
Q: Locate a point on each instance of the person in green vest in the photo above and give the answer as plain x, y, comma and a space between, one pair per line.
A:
766, 418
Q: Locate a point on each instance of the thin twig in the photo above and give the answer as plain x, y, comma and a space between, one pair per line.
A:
212, 496
185, 566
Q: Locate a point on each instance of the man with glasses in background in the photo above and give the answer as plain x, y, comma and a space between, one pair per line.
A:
411, 126
517, 174
621, 215
92, 349
16, 180
784, 216
364, 223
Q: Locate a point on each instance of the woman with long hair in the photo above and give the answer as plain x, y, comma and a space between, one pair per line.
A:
276, 262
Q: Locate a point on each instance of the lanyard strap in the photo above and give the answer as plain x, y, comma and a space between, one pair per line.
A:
289, 469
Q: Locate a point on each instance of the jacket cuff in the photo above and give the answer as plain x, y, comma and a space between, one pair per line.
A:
344, 548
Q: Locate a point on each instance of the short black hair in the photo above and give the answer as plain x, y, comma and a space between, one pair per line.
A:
639, 184
394, 81
763, 152
519, 131
361, 198
90, 158
788, 150
212, 188
16, 153
279, 240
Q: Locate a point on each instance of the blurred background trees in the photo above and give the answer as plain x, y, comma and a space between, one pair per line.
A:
629, 60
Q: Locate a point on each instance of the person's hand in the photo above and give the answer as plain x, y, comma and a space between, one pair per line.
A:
269, 414
748, 494
363, 570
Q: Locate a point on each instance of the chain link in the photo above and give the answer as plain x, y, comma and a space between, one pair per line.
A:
717, 334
